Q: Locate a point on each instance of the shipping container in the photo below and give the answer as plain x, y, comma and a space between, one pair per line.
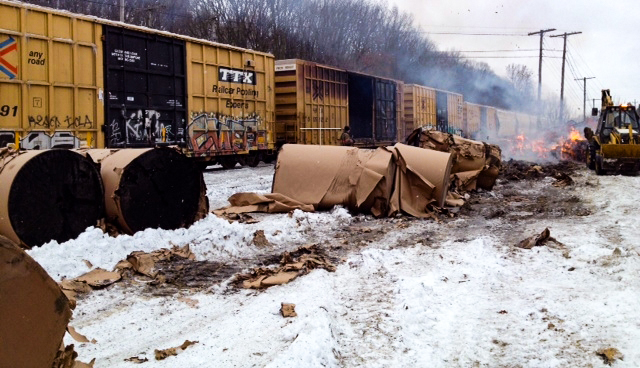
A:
373, 109
419, 107
51, 78
311, 102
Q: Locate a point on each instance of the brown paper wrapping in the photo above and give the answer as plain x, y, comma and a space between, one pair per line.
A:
35, 312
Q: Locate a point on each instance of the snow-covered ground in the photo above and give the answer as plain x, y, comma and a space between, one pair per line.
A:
406, 293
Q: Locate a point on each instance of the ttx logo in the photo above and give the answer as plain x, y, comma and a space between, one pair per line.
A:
236, 76
6, 67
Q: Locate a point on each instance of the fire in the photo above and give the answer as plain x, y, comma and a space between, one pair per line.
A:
570, 147
574, 135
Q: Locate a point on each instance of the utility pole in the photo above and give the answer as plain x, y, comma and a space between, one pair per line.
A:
584, 105
564, 55
122, 10
541, 33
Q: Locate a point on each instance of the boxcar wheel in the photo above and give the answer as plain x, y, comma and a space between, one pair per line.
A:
252, 160
228, 162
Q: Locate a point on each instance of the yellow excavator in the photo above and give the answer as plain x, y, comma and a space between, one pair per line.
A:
615, 145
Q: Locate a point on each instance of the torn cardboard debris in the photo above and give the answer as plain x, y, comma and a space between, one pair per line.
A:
610, 355
94, 279
422, 177
288, 310
98, 278
381, 182
259, 239
358, 179
145, 263
163, 354
538, 240
302, 261
136, 360
269, 203
35, 312
562, 180
66, 358
475, 164
78, 336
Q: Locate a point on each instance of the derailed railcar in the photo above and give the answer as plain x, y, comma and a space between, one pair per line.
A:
70, 80
311, 102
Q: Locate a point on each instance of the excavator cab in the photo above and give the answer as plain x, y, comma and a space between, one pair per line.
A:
615, 145
618, 119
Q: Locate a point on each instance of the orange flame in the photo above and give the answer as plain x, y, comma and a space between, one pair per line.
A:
574, 135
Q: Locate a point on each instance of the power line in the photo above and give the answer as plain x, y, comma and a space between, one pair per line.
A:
498, 57
511, 50
476, 34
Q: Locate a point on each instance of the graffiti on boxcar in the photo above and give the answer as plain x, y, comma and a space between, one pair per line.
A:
211, 134
78, 122
115, 134
46, 121
6, 138
141, 126
41, 140
53, 122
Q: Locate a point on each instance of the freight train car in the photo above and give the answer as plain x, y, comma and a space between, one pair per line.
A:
419, 107
69, 80
479, 121
433, 108
375, 109
311, 103
314, 102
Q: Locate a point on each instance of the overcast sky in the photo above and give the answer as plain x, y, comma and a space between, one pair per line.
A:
608, 48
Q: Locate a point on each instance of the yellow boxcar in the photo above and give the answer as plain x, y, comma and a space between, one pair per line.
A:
51, 78
419, 107
230, 99
311, 102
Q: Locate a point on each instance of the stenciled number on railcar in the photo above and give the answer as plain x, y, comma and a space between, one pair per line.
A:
5, 110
